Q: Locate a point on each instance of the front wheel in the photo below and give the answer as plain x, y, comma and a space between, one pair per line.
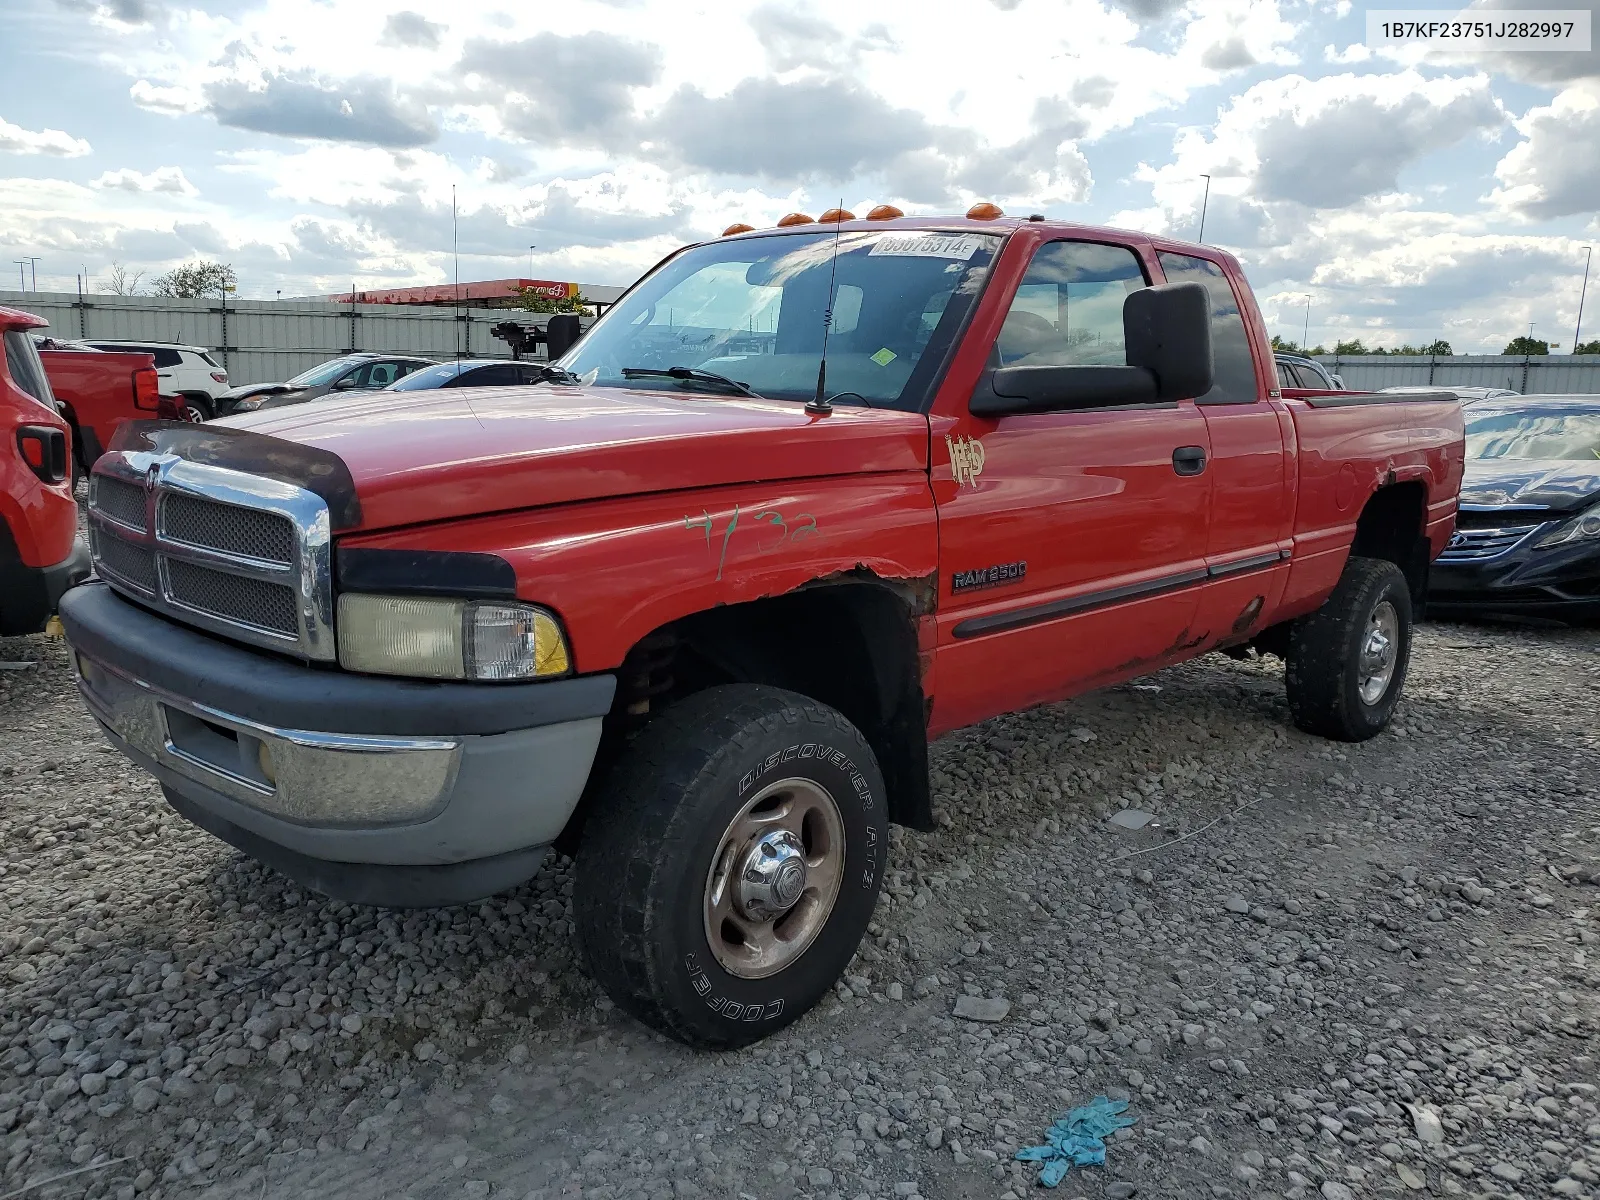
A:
731, 864
1347, 660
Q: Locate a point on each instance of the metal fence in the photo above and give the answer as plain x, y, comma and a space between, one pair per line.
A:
262, 341
1532, 374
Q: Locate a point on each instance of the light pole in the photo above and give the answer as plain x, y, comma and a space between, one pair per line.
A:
531, 249
1205, 200
1588, 253
1305, 335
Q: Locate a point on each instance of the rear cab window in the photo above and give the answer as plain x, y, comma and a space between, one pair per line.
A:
1230, 343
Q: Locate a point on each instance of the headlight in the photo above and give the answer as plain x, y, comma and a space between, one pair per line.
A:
1583, 527
449, 639
247, 406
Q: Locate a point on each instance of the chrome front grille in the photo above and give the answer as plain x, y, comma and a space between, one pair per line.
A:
1476, 545
247, 532
234, 553
232, 597
122, 502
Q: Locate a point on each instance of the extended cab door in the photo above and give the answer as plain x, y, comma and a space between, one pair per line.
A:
1071, 543
1247, 545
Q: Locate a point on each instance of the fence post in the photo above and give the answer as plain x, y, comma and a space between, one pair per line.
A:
1527, 361
83, 311
352, 348
1432, 359
224, 329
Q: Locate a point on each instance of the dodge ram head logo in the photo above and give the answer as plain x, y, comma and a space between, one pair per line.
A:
966, 459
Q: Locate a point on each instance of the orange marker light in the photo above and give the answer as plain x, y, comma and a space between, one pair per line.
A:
738, 228
837, 214
795, 219
884, 212
984, 211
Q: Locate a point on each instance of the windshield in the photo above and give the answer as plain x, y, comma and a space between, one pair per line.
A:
1539, 433
326, 373
429, 377
752, 310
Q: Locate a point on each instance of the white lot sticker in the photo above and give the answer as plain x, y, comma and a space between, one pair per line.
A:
927, 245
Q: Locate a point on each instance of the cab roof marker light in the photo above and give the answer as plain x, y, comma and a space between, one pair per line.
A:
834, 215
985, 211
885, 212
738, 227
795, 219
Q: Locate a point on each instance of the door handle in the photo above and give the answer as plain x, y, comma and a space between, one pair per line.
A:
1189, 460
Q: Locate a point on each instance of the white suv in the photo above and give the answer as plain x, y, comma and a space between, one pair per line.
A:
186, 373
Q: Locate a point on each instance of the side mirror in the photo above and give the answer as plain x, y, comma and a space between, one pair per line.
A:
345, 384
1167, 331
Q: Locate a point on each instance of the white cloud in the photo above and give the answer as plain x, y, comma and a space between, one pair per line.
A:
168, 180
1555, 170
172, 101
16, 140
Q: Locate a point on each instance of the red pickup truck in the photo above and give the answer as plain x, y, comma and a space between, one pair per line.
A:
98, 390
693, 606
40, 556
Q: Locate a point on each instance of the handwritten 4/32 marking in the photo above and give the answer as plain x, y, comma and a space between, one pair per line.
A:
778, 530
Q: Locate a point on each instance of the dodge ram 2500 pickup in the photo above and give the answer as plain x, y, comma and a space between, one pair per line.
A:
692, 606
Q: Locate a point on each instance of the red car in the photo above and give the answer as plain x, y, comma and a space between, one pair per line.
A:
693, 605
40, 556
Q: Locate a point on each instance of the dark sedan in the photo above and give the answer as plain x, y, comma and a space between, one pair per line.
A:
472, 372
1527, 539
360, 372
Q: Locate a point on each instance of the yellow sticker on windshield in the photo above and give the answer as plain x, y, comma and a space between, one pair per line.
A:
884, 357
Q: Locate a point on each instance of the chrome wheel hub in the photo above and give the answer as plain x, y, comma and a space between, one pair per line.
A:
1380, 648
774, 878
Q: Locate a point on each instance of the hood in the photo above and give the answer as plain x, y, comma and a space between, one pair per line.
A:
246, 390
1557, 484
455, 452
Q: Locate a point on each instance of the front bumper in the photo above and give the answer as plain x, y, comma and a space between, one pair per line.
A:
1563, 582
28, 595
379, 791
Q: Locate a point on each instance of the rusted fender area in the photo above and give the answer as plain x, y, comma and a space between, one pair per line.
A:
614, 570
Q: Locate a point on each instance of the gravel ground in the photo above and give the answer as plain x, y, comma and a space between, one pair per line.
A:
1322, 971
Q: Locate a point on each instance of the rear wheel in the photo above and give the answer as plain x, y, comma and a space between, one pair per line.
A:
1348, 660
194, 408
731, 864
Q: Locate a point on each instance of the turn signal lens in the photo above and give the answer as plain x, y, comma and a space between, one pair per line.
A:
884, 212
741, 227
431, 638
795, 219
984, 211
837, 214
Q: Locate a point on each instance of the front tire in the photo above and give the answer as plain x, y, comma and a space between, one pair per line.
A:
1348, 660
731, 864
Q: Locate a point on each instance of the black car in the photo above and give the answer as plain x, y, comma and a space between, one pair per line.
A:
471, 372
1527, 538
364, 371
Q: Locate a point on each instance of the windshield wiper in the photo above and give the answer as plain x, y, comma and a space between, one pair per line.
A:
691, 375
550, 373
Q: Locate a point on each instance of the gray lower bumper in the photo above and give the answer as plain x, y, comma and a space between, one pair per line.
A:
393, 820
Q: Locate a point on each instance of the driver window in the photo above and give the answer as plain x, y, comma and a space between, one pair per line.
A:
1068, 309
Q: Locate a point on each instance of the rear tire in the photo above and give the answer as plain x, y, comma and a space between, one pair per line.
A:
691, 903
1348, 660
194, 408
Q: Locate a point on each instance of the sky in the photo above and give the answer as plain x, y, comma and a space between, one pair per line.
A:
315, 144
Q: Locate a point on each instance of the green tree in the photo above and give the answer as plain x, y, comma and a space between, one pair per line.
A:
1587, 347
1319, 348
529, 300
1353, 346
1440, 348
1283, 346
1526, 345
199, 278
